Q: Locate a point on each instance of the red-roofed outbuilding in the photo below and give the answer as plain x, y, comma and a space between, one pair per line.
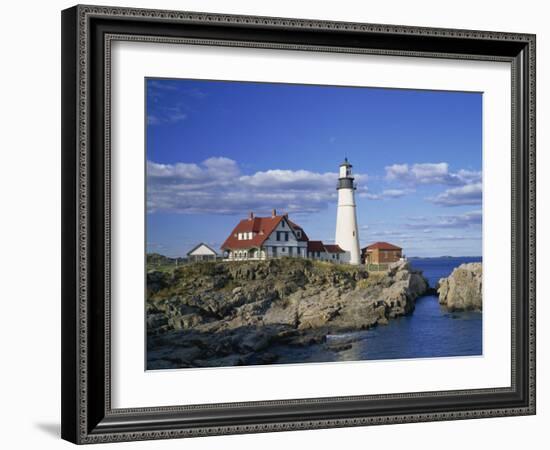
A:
325, 252
381, 253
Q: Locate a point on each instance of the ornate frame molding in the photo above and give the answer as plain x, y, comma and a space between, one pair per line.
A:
87, 423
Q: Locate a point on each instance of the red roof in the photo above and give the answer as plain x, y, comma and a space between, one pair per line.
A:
333, 248
318, 246
262, 227
382, 246
315, 246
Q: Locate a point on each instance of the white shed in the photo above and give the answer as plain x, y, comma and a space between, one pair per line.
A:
202, 252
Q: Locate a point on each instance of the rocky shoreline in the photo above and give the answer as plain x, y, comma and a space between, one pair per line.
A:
462, 289
243, 313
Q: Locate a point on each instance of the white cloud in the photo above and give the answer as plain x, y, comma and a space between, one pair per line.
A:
178, 170
469, 219
217, 186
470, 194
468, 176
430, 173
290, 179
220, 167
386, 194
396, 171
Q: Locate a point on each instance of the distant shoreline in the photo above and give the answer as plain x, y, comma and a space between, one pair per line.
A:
442, 257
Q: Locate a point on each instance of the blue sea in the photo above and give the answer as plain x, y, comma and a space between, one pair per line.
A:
430, 331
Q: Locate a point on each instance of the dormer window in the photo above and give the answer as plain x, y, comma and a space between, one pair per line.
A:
299, 233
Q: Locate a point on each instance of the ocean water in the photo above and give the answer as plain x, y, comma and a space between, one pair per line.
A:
430, 331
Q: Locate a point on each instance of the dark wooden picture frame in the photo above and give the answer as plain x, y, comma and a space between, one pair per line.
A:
87, 415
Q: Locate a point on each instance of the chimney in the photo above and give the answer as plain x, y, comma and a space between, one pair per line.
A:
273, 212
251, 216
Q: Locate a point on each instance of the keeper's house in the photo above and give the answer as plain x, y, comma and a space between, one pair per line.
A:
201, 252
257, 238
381, 253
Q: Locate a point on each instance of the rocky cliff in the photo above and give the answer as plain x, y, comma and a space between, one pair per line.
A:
462, 289
217, 314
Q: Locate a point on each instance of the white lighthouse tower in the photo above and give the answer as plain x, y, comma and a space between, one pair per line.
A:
347, 235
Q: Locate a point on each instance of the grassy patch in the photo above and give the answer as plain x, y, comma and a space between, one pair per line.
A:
166, 268
327, 265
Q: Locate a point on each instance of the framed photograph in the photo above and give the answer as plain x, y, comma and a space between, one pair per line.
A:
278, 224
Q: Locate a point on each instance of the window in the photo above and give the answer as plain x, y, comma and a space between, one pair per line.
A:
286, 236
278, 235
299, 234
282, 224
283, 249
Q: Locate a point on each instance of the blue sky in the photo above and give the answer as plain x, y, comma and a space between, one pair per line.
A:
217, 150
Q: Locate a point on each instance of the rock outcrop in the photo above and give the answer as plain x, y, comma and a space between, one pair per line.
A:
219, 313
461, 290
